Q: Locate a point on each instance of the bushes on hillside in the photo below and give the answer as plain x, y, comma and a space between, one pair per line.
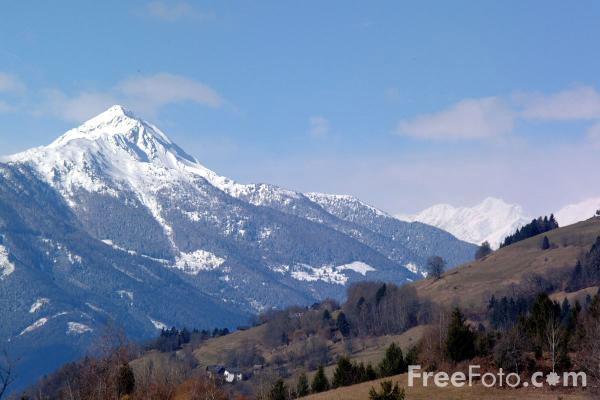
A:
483, 250
587, 271
384, 309
388, 391
435, 267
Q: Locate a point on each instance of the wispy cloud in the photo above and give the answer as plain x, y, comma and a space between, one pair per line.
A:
152, 92
467, 119
172, 12
578, 103
11, 84
75, 108
318, 126
12, 90
593, 134
146, 94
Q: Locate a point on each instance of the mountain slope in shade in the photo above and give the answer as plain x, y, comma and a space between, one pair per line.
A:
491, 220
581, 211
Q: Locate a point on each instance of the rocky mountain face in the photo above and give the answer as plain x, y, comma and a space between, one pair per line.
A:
114, 222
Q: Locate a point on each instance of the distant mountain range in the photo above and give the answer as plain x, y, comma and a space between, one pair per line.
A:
113, 221
578, 211
493, 219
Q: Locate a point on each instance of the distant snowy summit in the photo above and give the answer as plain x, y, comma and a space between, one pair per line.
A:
491, 220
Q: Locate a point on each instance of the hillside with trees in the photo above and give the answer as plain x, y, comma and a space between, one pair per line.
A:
527, 319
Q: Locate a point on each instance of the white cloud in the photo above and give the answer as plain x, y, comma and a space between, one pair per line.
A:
318, 126
11, 84
172, 12
467, 119
155, 91
147, 95
77, 108
6, 108
593, 134
581, 102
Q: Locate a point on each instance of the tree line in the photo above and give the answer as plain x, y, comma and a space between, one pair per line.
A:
535, 227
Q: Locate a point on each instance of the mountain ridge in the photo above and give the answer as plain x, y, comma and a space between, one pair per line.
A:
491, 220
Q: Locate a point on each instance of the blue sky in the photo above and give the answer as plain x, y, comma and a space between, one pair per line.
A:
402, 104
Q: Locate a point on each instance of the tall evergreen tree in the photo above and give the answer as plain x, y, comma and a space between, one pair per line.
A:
302, 388
545, 243
279, 391
345, 373
125, 380
342, 324
320, 382
460, 343
393, 362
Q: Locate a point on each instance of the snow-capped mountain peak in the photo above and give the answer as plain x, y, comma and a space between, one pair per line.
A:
118, 146
493, 219
118, 127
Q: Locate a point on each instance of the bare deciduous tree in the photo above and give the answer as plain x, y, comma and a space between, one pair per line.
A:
7, 373
552, 339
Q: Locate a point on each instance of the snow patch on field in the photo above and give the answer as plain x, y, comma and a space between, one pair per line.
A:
125, 294
36, 325
38, 304
77, 328
357, 266
158, 325
6, 267
199, 260
329, 273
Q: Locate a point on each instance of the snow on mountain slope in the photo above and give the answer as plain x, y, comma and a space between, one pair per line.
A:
581, 211
6, 267
117, 158
491, 220
137, 191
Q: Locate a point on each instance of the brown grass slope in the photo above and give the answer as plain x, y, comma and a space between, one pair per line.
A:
470, 286
477, 392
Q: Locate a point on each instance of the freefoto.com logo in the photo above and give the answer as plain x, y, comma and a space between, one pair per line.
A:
498, 379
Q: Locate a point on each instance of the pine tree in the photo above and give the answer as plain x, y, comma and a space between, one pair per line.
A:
320, 382
370, 374
279, 391
344, 374
125, 380
342, 324
393, 362
545, 243
460, 343
302, 387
